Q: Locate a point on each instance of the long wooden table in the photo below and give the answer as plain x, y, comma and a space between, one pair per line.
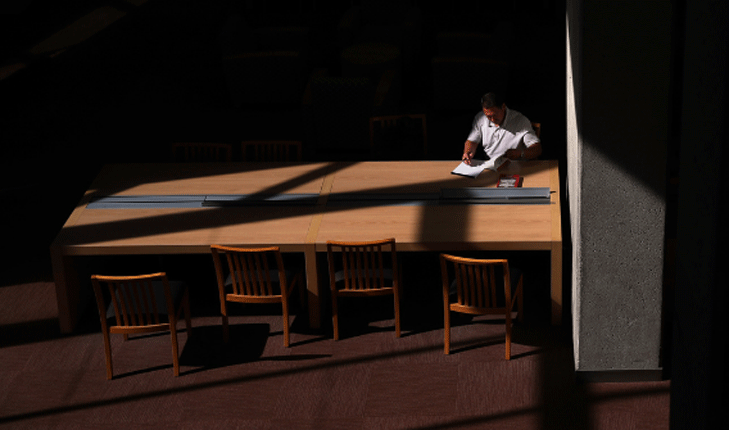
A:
325, 206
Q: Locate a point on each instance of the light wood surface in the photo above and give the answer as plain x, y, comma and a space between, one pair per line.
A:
303, 228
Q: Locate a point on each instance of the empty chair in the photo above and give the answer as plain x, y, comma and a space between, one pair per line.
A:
475, 290
363, 269
140, 304
253, 275
201, 152
271, 150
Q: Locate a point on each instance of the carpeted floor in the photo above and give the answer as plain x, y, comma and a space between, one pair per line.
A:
367, 380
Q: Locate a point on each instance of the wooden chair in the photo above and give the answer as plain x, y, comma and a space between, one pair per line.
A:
395, 133
201, 152
363, 269
271, 150
141, 304
253, 275
537, 128
474, 290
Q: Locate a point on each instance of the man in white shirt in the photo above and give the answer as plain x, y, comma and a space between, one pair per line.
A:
501, 131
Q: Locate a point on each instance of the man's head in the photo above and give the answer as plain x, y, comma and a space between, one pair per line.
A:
493, 107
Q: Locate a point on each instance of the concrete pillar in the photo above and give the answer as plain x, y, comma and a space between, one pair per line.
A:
619, 104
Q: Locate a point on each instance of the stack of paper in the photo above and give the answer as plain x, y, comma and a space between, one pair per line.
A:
477, 166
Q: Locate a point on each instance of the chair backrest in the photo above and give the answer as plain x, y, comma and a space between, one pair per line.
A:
201, 151
476, 283
137, 303
363, 267
271, 150
254, 274
537, 128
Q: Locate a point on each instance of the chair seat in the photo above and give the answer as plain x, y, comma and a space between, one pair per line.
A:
177, 288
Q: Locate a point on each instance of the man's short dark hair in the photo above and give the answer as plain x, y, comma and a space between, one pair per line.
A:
490, 100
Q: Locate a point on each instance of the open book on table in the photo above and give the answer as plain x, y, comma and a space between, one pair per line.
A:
478, 166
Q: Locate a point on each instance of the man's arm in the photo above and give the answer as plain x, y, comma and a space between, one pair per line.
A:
527, 153
469, 150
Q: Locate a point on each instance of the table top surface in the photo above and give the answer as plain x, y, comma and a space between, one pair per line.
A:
415, 226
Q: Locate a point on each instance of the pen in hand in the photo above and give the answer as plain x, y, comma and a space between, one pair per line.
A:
466, 158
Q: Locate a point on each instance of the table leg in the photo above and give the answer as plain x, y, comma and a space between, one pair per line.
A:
556, 281
67, 290
312, 285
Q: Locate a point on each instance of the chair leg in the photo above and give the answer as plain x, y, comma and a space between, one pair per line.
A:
508, 338
335, 317
397, 313
226, 335
447, 330
446, 321
107, 351
284, 305
175, 349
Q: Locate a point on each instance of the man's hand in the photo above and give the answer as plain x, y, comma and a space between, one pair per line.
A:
466, 158
514, 154
469, 150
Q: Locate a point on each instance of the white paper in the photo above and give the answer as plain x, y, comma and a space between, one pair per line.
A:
478, 166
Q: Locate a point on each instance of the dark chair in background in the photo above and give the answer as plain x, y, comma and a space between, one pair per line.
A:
271, 150
201, 152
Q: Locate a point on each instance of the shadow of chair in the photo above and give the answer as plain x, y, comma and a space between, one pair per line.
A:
254, 275
399, 137
474, 290
140, 304
363, 269
271, 150
201, 152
